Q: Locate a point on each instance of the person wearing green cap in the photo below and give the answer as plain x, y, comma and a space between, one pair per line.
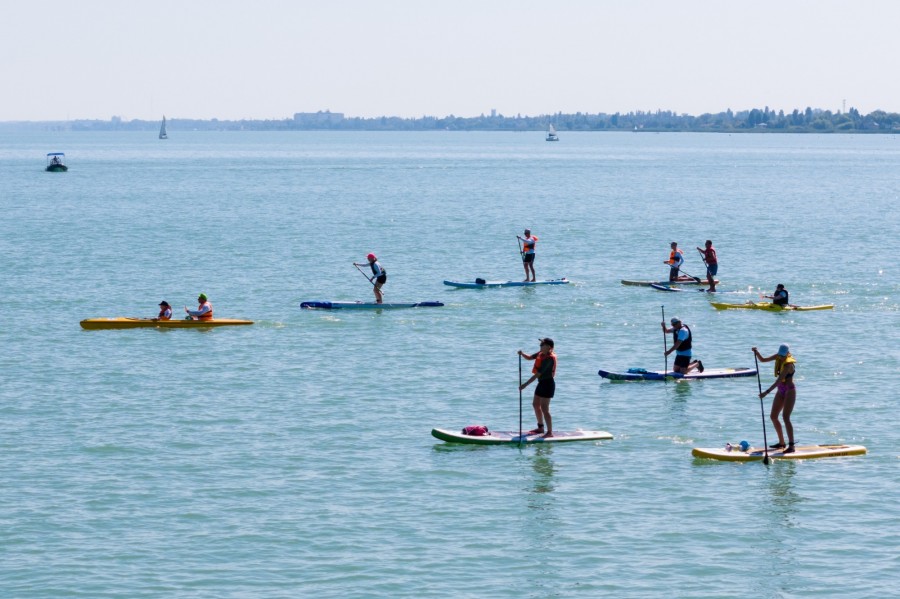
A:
203, 312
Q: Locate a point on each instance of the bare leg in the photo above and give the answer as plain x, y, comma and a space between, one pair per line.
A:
545, 408
789, 398
777, 406
379, 297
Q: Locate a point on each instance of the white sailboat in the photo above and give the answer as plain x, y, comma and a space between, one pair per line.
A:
551, 134
162, 129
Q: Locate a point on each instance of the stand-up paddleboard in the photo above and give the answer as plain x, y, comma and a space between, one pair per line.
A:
512, 437
678, 281
769, 307
123, 322
365, 305
801, 452
482, 284
639, 374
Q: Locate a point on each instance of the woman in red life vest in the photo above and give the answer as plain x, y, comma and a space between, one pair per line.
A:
204, 311
544, 372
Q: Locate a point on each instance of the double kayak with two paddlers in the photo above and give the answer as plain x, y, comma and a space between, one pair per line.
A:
513, 438
482, 283
640, 374
123, 322
753, 454
366, 305
769, 307
678, 281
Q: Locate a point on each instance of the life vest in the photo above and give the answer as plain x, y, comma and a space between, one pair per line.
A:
781, 298
709, 255
165, 314
779, 364
377, 270
686, 344
208, 315
676, 257
539, 359
529, 243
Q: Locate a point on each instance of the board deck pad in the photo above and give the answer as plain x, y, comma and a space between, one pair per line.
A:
801, 452
639, 374
512, 437
478, 285
324, 305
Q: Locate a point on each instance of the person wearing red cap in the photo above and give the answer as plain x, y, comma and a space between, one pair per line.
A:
378, 278
544, 372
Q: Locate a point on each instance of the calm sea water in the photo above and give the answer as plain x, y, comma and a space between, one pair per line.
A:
294, 457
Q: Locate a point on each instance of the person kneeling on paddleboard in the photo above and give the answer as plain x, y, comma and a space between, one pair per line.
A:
204, 310
681, 345
378, 278
544, 371
165, 311
781, 297
786, 395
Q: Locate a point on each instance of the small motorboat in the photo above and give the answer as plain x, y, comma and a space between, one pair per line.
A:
56, 162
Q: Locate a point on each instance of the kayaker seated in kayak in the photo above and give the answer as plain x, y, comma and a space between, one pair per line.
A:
165, 311
378, 278
712, 264
785, 396
544, 371
204, 311
528, 243
676, 259
682, 341
781, 296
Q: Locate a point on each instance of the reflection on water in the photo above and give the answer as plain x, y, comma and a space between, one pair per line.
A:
784, 500
543, 469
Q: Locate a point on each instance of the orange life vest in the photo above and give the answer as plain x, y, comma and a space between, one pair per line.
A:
208, 315
539, 359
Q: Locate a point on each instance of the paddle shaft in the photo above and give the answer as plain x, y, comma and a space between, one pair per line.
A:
665, 355
688, 274
520, 400
521, 250
762, 412
367, 277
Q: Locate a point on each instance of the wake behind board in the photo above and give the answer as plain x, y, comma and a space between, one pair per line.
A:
512, 437
754, 454
678, 281
365, 305
640, 374
483, 284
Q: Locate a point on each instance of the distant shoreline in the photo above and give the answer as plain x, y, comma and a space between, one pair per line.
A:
755, 120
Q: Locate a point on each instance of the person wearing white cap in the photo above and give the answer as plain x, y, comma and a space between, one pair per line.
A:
785, 396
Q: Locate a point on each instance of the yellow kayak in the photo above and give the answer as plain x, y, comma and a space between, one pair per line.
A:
770, 307
123, 322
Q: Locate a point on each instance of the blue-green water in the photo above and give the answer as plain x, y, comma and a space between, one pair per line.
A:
294, 457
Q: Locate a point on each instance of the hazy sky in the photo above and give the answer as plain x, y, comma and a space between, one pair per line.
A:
267, 59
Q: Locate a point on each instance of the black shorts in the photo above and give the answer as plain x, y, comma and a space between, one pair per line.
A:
545, 388
527, 258
382, 279
682, 361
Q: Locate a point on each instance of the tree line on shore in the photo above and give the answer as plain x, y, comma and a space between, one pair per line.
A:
754, 120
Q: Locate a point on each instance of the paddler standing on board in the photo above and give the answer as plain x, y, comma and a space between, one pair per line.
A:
165, 311
527, 249
681, 345
204, 310
786, 395
676, 259
544, 371
378, 278
712, 264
